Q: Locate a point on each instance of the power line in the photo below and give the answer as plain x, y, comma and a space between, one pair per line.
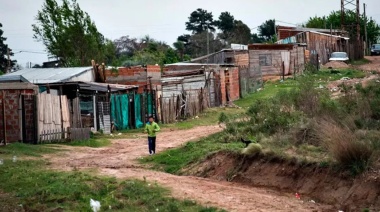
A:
32, 52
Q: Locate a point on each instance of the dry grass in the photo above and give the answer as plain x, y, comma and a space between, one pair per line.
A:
344, 146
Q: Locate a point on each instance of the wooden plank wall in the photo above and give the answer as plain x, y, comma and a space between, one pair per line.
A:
176, 107
297, 61
51, 119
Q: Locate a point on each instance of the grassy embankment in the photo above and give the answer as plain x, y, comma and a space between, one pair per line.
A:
286, 119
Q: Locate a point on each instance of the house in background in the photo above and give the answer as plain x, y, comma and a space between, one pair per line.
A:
283, 32
233, 56
220, 81
319, 43
276, 59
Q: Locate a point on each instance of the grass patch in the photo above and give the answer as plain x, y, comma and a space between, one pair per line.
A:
28, 184
270, 90
93, 142
21, 149
326, 75
173, 160
210, 117
360, 62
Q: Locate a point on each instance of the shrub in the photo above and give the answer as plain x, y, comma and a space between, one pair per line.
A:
268, 116
223, 118
344, 147
252, 149
306, 132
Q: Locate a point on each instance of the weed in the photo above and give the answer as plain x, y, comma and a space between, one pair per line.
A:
222, 118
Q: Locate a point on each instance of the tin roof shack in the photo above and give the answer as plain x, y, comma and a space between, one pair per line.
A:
276, 59
237, 57
88, 103
18, 112
143, 77
50, 75
221, 82
287, 31
319, 43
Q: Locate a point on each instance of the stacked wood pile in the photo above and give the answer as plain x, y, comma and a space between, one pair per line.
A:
189, 104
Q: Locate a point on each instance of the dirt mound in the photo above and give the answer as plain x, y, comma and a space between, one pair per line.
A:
336, 65
312, 182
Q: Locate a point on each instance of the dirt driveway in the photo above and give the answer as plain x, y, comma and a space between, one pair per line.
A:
119, 160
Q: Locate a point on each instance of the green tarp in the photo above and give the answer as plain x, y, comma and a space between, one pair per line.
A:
139, 122
120, 111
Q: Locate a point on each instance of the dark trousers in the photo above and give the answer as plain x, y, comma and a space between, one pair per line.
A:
152, 145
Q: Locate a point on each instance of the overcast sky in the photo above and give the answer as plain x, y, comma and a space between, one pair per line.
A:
161, 19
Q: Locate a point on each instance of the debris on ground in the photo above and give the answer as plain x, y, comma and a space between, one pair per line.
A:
336, 65
95, 205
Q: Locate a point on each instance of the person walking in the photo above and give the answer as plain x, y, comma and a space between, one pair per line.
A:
151, 128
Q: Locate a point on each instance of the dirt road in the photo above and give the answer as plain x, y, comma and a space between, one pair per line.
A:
373, 66
119, 160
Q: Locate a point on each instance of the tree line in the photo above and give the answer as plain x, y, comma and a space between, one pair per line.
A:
69, 33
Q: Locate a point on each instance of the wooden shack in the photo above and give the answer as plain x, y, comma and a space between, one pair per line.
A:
236, 57
276, 59
319, 43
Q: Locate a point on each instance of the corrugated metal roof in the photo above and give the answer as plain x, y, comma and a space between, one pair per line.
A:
46, 75
12, 78
95, 86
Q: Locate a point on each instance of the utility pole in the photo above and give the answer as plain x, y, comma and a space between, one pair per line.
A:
365, 29
357, 21
208, 43
9, 60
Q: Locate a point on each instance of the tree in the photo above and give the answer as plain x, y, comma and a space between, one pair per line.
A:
180, 47
69, 33
267, 30
3, 53
255, 38
126, 46
200, 20
334, 20
240, 33
226, 23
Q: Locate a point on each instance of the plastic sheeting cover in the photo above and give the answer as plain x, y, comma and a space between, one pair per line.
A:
137, 102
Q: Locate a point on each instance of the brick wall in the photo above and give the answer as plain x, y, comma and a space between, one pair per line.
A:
233, 76
136, 76
11, 100
234, 81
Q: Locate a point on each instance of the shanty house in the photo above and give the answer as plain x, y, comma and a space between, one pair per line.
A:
275, 59
317, 43
56, 99
237, 56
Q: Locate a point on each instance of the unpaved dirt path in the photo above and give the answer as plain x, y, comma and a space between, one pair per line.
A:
119, 160
373, 66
